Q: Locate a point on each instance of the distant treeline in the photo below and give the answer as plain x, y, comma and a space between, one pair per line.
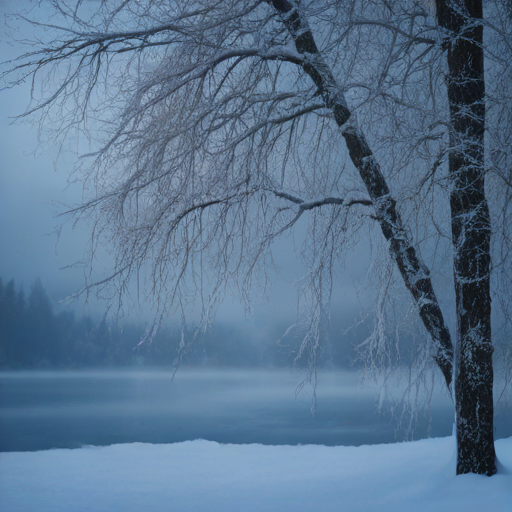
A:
32, 335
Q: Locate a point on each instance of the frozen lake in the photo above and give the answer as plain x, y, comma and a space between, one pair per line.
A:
68, 409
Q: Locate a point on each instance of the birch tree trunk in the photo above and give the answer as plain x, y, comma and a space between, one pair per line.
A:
414, 272
471, 233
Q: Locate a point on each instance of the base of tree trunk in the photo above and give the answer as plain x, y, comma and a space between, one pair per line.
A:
475, 412
479, 458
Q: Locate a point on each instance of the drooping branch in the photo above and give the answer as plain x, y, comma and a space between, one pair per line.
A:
396, 30
103, 40
412, 269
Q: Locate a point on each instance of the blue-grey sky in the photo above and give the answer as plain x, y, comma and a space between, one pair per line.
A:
31, 189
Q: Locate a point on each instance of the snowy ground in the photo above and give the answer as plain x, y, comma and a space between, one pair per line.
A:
204, 476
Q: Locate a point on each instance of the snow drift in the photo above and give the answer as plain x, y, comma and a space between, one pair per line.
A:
204, 476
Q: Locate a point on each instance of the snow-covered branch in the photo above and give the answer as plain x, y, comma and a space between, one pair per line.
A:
309, 205
401, 247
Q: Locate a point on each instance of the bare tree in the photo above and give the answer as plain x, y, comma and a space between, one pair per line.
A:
215, 126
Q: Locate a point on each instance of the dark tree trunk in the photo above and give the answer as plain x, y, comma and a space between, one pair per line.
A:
415, 274
471, 232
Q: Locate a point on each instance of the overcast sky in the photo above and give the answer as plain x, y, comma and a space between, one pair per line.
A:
28, 185
31, 190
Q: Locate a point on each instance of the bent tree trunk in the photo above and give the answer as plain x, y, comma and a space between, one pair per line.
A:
415, 274
471, 233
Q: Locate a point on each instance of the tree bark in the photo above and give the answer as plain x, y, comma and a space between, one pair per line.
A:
414, 272
471, 233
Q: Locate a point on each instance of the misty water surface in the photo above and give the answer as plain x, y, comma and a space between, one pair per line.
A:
69, 409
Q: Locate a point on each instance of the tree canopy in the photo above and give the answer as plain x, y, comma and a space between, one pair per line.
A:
215, 127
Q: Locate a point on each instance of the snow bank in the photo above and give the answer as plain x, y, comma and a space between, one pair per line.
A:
204, 476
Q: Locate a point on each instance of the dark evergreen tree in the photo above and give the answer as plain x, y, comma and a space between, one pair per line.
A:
41, 325
4, 356
11, 319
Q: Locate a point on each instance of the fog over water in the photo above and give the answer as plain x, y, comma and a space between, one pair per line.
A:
69, 409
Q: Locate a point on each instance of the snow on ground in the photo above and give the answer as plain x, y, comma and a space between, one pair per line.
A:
204, 476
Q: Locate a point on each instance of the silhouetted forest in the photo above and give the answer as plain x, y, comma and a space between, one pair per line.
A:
32, 335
